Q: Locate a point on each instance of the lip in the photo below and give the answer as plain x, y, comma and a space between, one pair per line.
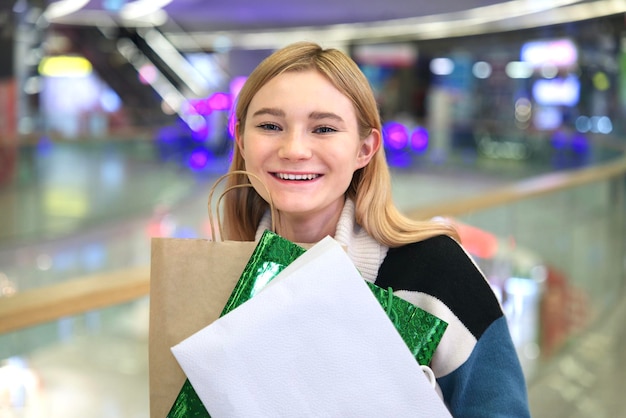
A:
295, 176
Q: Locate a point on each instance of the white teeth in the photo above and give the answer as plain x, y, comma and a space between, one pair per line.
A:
296, 176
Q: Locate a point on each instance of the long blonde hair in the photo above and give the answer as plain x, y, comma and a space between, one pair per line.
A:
371, 185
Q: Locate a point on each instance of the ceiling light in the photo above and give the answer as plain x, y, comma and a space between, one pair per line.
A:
63, 8
142, 8
65, 66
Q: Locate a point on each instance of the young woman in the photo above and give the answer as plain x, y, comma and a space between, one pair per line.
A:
308, 126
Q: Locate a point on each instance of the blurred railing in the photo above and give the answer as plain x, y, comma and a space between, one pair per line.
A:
560, 263
573, 222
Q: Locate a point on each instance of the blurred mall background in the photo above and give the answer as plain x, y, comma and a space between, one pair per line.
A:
507, 116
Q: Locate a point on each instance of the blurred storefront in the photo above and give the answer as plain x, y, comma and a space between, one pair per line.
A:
544, 93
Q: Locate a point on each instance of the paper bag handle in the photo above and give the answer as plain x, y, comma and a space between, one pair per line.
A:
238, 186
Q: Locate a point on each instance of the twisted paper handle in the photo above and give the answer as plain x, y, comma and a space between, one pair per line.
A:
238, 186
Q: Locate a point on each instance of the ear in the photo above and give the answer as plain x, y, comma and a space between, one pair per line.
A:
368, 148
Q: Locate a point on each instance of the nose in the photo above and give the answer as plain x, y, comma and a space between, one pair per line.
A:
294, 146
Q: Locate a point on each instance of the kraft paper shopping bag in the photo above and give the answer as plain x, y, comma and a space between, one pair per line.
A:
190, 282
271, 255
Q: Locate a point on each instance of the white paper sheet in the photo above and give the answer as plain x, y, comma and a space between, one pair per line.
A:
314, 343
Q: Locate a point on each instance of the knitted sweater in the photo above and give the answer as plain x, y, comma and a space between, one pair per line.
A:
476, 364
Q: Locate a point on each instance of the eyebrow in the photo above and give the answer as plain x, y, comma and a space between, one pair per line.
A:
313, 115
325, 115
269, 111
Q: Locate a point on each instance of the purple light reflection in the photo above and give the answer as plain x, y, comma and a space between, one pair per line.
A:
395, 135
219, 101
419, 139
198, 159
559, 140
580, 144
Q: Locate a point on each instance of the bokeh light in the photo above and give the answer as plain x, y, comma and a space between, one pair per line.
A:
419, 139
198, 159
395, 135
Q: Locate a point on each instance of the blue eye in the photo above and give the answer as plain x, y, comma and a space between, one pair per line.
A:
324, 130
269, 127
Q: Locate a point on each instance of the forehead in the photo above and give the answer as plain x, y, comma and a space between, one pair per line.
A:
299, 89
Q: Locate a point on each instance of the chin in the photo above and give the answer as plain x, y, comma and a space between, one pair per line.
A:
293, 208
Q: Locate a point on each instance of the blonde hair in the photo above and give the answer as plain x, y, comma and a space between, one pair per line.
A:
371, 185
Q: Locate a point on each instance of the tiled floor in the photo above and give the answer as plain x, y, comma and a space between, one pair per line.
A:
588, 379
59, 223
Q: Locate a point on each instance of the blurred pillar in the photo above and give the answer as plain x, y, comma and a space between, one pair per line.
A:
440, 121
29, 36
8, 99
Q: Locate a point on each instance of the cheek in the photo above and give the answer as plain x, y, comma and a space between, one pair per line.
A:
258, 146
247, 149
253, 152
260, 188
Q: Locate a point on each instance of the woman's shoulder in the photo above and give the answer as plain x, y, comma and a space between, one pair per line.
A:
440, 267
436, 257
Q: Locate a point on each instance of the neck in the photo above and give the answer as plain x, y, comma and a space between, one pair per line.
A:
306, 229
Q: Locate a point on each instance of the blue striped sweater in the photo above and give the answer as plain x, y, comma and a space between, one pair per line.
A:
476, 364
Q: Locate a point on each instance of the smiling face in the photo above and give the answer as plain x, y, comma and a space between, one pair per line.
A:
301, 138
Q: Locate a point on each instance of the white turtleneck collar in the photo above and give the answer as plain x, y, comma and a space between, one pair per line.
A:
365, 252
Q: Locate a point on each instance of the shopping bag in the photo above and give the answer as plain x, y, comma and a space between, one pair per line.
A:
314, 342
190, 282
271, 255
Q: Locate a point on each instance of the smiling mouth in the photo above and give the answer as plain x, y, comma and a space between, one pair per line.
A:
296, 177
